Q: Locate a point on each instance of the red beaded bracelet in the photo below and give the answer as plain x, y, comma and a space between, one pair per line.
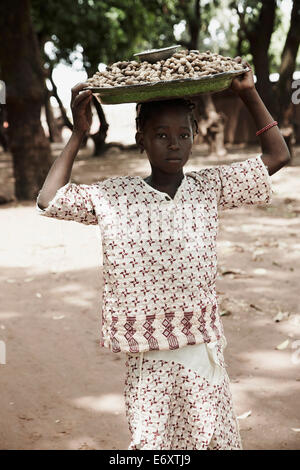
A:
274, 123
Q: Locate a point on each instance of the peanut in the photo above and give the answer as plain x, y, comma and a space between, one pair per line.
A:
181, 65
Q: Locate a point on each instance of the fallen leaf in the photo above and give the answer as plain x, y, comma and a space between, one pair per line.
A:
26, 418
283, 345
288, 200
225, 313
245, 415
255, 306
85, 446
232, 271
281, 316
276, 264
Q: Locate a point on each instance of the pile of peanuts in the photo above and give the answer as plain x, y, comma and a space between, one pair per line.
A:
182, 64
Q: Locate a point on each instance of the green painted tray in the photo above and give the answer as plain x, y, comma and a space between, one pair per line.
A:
180, 88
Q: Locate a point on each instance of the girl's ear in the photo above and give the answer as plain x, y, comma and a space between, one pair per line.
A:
140, 141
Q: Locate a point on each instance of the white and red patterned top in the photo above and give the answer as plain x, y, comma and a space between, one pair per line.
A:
159, 253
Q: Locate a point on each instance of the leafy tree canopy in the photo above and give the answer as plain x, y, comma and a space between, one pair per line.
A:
106, 30
111, 30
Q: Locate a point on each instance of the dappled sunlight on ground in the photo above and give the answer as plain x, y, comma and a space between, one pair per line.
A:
110, 403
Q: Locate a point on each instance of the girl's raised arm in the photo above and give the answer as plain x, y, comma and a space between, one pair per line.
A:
275, 151
60, 172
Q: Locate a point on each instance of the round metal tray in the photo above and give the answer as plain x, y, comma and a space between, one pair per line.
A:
180, 88
153, 55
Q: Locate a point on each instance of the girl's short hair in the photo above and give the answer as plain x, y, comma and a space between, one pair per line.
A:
146, 110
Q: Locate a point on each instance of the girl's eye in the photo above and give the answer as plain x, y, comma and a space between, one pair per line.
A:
162, 136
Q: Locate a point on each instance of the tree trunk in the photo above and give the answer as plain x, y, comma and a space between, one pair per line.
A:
194, 24
261, 66
100, 136
55, 132
211, 125
64, 118
259, 37
287, 68
260, 40
67, 121
23, 75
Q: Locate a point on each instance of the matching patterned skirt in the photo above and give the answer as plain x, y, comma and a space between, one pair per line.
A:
180, 399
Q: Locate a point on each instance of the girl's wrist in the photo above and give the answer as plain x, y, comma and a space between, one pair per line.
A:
78, 134
249, 94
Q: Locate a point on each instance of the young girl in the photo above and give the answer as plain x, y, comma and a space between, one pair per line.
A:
159, 235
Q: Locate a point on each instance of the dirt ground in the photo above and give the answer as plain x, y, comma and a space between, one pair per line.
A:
60, 390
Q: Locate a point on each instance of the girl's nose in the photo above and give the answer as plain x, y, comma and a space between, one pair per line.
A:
173, 144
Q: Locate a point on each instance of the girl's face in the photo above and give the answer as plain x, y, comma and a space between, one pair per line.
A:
167, 138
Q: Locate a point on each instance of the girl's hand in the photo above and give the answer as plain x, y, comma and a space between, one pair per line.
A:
81, 109
243, 82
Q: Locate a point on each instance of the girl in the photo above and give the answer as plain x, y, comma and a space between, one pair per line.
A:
159, 235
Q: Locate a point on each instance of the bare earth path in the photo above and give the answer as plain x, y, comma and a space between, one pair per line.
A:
60, 390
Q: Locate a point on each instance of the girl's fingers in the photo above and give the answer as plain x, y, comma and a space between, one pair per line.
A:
87, 100
76, 89
83, 95
89, 112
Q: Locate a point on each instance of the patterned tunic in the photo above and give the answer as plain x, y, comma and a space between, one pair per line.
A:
159, 253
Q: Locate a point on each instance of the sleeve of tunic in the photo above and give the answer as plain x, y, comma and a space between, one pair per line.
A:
73, 202
241, 183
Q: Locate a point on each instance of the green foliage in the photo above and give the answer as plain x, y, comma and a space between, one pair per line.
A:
106, 30
248, 11
111, 30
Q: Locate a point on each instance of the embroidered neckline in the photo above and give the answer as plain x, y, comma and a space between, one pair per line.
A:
179, 189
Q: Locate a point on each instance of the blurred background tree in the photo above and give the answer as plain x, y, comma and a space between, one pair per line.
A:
22, 72
103, 32
266, 33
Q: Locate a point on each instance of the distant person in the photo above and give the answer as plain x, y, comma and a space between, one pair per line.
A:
159, 233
